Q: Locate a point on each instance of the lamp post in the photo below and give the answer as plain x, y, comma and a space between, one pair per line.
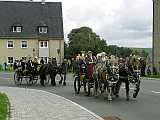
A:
59, 54
34, 53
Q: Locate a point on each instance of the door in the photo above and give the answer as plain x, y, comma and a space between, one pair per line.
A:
43, 49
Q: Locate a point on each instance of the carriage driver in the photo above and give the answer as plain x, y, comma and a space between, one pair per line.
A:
90, 61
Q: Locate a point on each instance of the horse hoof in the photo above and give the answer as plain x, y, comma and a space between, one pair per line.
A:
64, 84
117, 96
134, 95
60, 82
54, 84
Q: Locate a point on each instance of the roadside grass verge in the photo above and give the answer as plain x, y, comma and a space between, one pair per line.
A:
153, 76
4, 107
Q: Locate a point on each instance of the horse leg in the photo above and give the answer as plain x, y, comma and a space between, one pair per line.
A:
127, 90
104, 89
118, 85
53, 82
95, 87
64, 82
41, 80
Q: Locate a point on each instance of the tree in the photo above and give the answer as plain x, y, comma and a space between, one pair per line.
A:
66, 50
136, 52
144, 54
119, 51
84, 39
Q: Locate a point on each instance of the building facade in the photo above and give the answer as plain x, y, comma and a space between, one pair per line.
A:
31, 29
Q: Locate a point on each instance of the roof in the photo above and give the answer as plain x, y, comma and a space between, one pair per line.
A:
30, 15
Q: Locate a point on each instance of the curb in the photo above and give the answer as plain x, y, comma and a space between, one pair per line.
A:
60, 97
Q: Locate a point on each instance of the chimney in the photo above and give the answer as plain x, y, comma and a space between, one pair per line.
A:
43, 2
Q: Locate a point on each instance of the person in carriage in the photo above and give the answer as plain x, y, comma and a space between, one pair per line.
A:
123, 77
90, 62
79, 62
135, 67
34, 65
63, 71
52, 70
42, 72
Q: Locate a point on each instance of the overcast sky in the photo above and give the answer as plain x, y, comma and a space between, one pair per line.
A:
126, 23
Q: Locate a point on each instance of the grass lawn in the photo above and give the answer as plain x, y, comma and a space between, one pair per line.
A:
4, 107
153, 76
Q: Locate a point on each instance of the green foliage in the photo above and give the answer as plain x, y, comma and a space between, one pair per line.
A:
153, 76
1, 67
4, 107
136, 52
119, 51
143, 52
84, 39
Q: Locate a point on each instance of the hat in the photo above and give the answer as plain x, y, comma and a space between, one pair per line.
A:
103, 53
89, 52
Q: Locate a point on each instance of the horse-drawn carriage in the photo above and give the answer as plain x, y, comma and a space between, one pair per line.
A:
107, 79
82, 78
32, 72
30, 75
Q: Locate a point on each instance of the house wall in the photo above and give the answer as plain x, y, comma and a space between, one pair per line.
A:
17, 52
54, 45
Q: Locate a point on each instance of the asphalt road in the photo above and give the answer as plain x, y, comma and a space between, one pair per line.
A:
145, 107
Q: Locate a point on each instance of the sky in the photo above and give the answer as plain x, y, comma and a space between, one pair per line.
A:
126, 23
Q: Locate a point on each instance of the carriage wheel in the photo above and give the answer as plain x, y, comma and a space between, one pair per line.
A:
28, 79
77, 85
17, 79
60, 82
34, 79
88, 88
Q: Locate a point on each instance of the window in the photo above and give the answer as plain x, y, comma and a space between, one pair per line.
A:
24, 44
17, 29
43, 44
43, 29
10, 60
10, 44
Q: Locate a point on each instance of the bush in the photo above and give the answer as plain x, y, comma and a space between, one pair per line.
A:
4, 107
1, 67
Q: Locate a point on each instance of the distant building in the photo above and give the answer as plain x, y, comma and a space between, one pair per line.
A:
31, 29
156, 34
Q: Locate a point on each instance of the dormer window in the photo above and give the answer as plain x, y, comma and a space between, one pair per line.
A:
16, 28
43, 29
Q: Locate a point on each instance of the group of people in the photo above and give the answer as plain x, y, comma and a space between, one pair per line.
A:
96, 64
